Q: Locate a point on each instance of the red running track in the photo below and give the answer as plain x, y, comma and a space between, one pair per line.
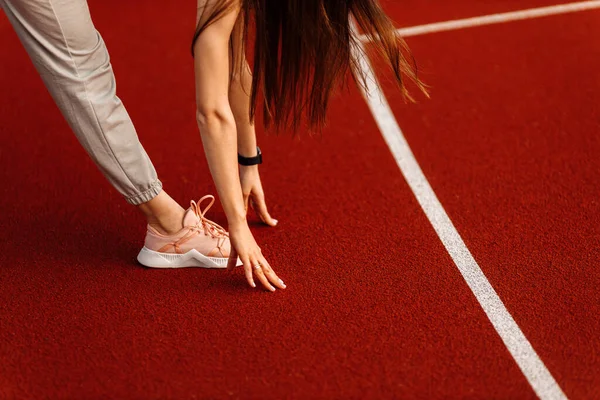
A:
375, 308
510, 144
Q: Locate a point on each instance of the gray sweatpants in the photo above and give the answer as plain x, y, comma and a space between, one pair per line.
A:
71, 58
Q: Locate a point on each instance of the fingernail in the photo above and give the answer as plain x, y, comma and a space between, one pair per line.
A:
276, 222
282, 284
253, 284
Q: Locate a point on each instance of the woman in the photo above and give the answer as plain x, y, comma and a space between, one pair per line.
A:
302, 51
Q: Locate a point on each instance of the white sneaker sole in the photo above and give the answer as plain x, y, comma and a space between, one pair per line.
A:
192, 258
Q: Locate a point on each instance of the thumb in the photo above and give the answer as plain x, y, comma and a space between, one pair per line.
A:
246, 198
233, 257
260, 206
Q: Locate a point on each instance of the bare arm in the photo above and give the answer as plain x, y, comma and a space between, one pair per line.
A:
239, 99
218, 131
239, 93
214, 114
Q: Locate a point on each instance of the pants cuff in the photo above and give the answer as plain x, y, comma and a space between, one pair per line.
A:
147, 195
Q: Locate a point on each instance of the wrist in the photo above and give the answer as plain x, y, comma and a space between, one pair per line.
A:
236, 219
236, 224
255, 159
247, 150
248, 167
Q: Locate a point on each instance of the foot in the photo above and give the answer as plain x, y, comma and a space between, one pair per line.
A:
201, 242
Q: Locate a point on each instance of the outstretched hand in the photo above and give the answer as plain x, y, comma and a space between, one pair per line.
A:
254, 193
245, 247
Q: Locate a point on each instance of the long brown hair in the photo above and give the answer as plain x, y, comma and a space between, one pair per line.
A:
303, 50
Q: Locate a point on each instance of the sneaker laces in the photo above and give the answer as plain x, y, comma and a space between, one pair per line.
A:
204, 225
212, 228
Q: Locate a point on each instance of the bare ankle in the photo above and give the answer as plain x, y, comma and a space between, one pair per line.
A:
163, 213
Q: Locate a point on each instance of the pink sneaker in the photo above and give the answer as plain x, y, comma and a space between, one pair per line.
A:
201, 243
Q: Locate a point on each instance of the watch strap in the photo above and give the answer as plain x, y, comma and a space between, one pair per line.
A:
248, 161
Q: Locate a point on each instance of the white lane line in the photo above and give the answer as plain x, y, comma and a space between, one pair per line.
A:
496, 18
519, 347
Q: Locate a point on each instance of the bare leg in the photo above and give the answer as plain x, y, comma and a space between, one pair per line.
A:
163, 213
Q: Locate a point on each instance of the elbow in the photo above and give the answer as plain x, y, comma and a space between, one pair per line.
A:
215, 120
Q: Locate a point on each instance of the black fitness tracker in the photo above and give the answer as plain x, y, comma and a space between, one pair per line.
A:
247, 161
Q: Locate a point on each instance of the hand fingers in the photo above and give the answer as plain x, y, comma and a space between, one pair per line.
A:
248, 272
258, 271
271, 275
260, 206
